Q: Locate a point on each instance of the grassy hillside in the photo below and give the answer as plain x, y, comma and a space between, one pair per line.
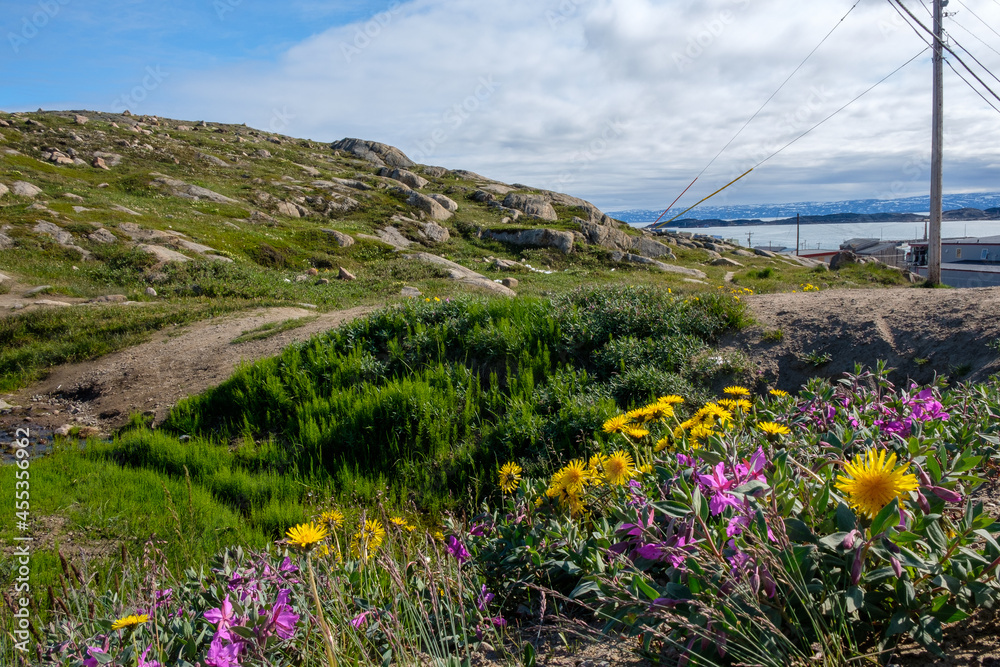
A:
250, 251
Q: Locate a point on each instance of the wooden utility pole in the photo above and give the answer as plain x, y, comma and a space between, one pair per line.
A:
937, 141
797, 246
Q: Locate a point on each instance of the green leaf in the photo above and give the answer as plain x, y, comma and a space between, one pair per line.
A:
947, 582
674, 509
103, 658
528, 655
934, 468
647, 590
967, 462
899, 623
584, 588
846, 521
798, 531
905, 592
750, 487
696, 501
822, 499
855, 598
936, 536
886, 518
242, 631
833, 540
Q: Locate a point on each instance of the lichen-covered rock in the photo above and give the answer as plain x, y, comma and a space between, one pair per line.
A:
542, 238
534, 205
377, 153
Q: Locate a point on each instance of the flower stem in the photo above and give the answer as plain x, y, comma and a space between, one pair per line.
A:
324, 628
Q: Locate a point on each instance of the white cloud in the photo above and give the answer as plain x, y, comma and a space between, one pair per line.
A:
624, 101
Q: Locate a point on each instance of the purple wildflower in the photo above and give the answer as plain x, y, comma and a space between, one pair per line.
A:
457, 549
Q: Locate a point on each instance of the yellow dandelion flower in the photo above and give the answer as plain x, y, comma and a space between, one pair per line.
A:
131, 621
773, 428
646, 469
736, 390
616, 424
661, 444
400, 523
334, 518
640, 415
636, 432
595, 467
659, 411
510, 477
780, 393
368, 539
873, 480
573, 502
619, 468
731, 404
571, 478
438, 535
711, 412
306, 535
673, 399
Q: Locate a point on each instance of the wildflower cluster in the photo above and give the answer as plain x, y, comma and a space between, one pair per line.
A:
753, 506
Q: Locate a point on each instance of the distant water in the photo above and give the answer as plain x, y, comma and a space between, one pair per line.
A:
825, 236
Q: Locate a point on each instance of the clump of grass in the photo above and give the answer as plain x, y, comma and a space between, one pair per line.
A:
766, 272
773, 336
816, 358
270, 329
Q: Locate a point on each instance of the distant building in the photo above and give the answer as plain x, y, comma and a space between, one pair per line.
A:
965, 262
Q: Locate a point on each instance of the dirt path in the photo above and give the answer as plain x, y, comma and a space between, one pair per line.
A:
920, 332
153, 376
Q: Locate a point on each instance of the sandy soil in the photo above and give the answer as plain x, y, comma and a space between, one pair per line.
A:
919, 332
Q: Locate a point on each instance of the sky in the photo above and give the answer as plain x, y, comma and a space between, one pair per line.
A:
621, 102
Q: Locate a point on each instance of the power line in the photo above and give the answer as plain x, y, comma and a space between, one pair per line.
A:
947, 48
866, 91
966, 81
957, 73
787, 79
858, 97
976, 59
984, 43
978, 17
757, 112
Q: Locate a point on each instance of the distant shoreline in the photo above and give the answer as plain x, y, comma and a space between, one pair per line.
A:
836, 218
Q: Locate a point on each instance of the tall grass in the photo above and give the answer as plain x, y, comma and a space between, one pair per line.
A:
429, 395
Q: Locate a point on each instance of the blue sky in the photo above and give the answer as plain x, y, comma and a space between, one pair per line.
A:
621, 102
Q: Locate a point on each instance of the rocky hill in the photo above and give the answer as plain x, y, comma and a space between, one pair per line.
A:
89, 187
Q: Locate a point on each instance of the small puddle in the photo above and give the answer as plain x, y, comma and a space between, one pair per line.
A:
39, 439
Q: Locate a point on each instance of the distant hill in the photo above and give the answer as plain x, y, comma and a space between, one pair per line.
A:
981, 201
843, 218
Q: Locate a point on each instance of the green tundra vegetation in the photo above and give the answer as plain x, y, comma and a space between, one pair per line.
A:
409, 412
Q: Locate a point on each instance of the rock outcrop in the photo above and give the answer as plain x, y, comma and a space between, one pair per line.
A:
405, 177
609, 236
462, 274
542, 238
184, 190
25, 189
536, 206
342, 239
381, 155
428, 205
